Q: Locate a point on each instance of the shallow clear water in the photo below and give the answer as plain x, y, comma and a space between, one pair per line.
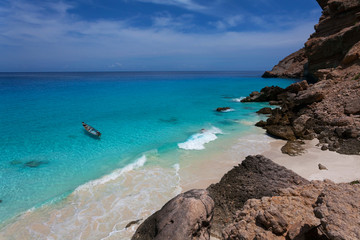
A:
137, 113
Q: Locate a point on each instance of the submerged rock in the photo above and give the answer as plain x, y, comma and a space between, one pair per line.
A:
15, 162
187, 216
222, 109
34, 163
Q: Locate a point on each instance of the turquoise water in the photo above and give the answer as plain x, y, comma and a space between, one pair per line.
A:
41, 115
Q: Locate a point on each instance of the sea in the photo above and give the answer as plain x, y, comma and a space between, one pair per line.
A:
160, 131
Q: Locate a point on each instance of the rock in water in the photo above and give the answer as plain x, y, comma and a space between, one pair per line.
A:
265, 110
187, 216
322, 167
222, 109
33, 164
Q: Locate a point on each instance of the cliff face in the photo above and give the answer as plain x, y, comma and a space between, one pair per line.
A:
334, 48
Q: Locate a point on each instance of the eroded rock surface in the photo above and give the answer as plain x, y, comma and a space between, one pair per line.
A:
286, 216
290, 67
333, 50
187, 216
296, 213
255, 177
338, 208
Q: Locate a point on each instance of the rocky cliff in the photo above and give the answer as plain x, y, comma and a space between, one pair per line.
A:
329, 109
333, 49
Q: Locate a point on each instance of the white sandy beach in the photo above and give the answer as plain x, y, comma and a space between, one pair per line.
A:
341, 168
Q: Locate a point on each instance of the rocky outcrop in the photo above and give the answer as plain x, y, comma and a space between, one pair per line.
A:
289, 215
255, 177
328, 110
266, 94
290, 67
265, 110
333, 50
187, 216
319, 210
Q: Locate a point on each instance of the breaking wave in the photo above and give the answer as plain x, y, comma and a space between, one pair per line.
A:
198, 140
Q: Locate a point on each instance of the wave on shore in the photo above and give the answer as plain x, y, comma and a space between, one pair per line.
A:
198, 140
237, 99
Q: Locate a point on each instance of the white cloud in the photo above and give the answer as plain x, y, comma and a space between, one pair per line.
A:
187, 4
228, 22
34, 39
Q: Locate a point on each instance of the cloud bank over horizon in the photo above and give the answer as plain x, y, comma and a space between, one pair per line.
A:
151, 35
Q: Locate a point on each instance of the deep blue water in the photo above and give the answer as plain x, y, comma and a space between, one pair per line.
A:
41, 115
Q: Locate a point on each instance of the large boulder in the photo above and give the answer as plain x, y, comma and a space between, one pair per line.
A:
255, 177
185, 217
280, 131
289, 215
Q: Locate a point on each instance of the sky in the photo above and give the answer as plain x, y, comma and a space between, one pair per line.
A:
151, 35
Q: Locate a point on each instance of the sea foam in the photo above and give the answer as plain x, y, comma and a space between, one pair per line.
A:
114, 175
198, 140
237, 99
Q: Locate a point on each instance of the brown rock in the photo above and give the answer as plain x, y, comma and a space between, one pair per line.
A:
187, 216
255, 177
293, 148
266, 94
309, 97
265, 110
333, 46
289, 215
280, 131
222, 109
352, 55
297, 87
322, 167
337, 207
290, 67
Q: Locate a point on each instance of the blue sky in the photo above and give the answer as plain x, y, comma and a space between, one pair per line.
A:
151, 35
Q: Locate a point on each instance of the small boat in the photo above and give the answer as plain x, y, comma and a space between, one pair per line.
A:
91, 130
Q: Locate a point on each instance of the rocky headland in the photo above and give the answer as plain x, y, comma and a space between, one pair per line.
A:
327, 104
259, 199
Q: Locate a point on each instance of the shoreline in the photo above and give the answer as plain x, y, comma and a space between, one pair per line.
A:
196, 171
341, 168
